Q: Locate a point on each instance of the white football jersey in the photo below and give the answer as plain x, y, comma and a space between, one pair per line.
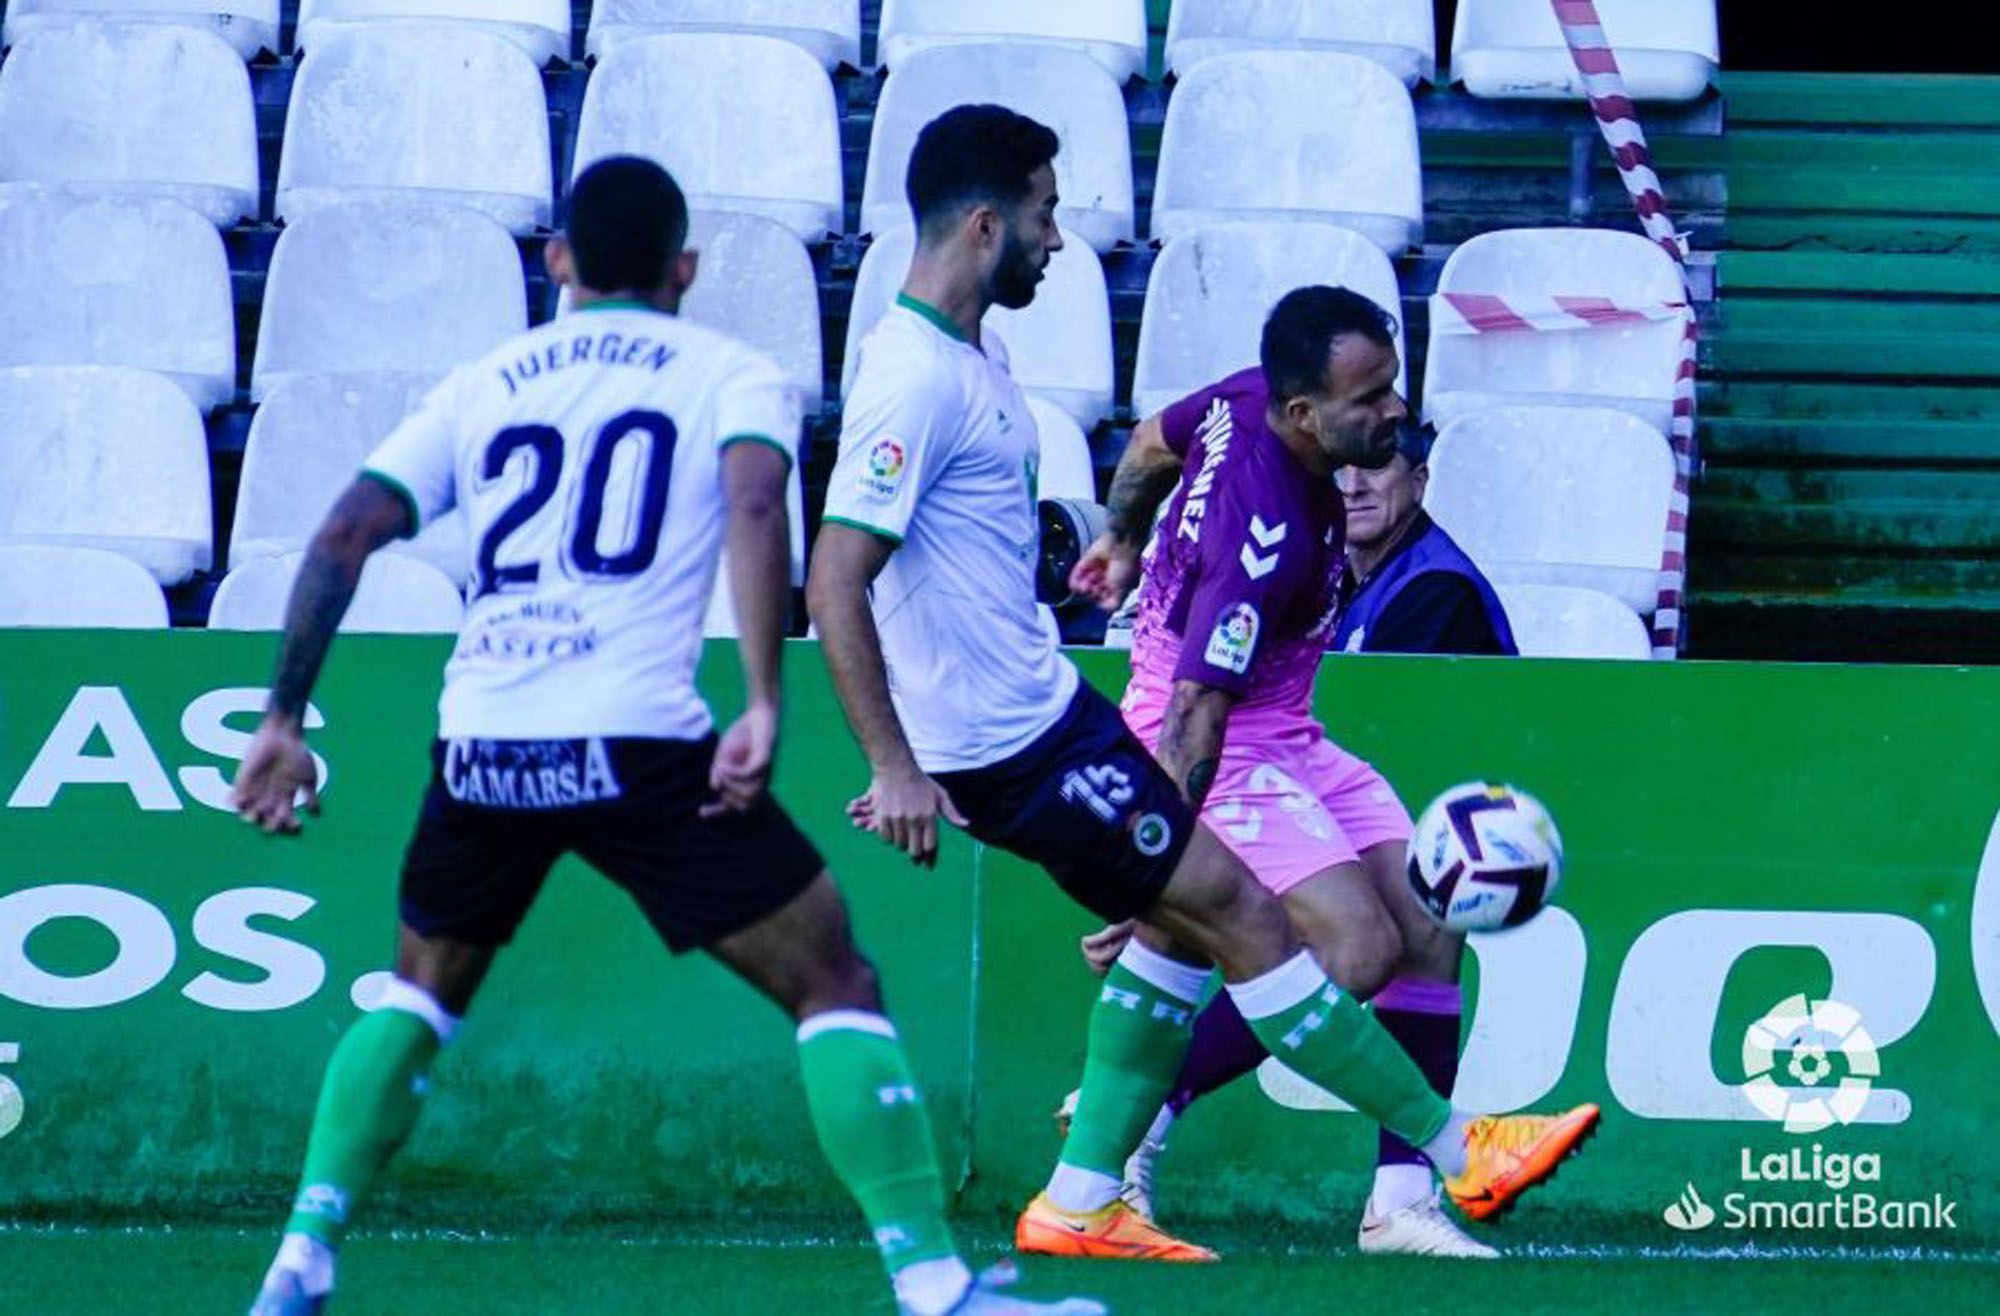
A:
938, 453
587, 455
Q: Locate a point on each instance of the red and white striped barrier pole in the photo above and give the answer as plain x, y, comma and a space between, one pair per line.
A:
1618, 120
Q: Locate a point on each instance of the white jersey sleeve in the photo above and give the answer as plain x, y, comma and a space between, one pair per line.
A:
896, 434
419, 459
755, 405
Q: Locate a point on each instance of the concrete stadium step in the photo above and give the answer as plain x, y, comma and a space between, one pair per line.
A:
1853, 440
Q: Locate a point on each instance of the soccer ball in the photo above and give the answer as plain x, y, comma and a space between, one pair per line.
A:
1485, 857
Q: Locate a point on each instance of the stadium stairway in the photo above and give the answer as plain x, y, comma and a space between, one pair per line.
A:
1850, 404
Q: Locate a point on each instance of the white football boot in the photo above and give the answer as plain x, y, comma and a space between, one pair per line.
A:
1421, 1229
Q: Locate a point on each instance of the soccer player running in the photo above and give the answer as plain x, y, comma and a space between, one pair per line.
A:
922, 588
604, 461
1237, 599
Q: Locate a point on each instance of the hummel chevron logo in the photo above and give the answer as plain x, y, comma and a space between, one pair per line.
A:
1258, 566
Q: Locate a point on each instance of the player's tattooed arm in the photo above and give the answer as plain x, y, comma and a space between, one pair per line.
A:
1191, 739
1147, 473
277, 775
367, 516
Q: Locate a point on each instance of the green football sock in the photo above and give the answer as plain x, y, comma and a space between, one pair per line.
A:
1139, 1033
368, 1104
1316, 1029
875, 1132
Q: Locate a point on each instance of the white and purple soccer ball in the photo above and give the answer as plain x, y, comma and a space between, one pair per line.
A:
1485, 857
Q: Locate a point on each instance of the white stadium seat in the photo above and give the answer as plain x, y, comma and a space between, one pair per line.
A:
1291, 134
440, 114
105, 457
1065, 470
54, 585
143, 110
745, 123
1667, 49
1557, 496
539, 27
129, 282
1058, 87
1059, 345
387, 285
1631, 367
828, 30
757, 284
397, 595
1400, 35
1562, 621
1211, 290
247, 25
1111, 32
306, 444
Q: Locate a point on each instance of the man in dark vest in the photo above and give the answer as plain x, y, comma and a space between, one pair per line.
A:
1408, 587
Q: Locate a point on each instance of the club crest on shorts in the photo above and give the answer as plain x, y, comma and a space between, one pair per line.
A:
1151, 835
881, 474
1234, 640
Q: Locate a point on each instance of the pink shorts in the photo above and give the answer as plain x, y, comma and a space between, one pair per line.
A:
1287, 800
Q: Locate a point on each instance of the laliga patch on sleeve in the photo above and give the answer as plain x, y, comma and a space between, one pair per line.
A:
882, 467
1234, 640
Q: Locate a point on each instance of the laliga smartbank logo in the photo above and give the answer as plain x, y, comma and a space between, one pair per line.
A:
1813, 1034
1810, 1066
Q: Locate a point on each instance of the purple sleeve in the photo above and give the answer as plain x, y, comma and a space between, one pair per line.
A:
1180, 420
1252, 564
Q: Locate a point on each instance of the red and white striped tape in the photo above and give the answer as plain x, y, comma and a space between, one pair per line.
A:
1618, 120
1479, 313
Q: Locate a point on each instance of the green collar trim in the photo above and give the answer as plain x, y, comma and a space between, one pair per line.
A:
944, 323
620, 304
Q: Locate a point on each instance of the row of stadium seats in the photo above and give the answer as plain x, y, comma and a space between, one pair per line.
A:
396, 285
1499, 47
749, 123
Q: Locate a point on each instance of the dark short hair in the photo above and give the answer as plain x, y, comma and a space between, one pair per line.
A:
971, 155
1299, 334
628, 221
1414, 440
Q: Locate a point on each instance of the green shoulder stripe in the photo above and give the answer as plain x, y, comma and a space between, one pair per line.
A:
863, 526
402, 491
765, 439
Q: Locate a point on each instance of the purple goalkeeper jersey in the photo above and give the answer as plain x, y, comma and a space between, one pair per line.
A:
1239, 586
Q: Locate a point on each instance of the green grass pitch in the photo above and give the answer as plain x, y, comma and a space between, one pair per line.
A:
87, 1271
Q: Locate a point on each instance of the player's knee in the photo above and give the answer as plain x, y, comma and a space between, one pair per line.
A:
1363, 960
847, 981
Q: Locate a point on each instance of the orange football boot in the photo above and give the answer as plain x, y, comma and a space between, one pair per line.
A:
1505, 1155
1115, 1231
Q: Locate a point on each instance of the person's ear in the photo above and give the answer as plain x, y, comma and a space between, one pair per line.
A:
560, 261
1420, 478
1303, 415
686, 266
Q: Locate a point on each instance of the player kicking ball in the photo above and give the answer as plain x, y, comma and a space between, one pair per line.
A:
922, 589
603, 462
1237, 597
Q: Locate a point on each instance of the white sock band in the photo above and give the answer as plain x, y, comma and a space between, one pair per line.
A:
854, 1021
412, 999
1298, 979
1183, 982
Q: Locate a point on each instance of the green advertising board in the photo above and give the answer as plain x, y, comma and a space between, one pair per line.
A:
1740, 839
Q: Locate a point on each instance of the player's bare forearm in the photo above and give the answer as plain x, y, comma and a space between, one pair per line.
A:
366, 517
1147, 473
1191, 739
758, 539
845, 563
